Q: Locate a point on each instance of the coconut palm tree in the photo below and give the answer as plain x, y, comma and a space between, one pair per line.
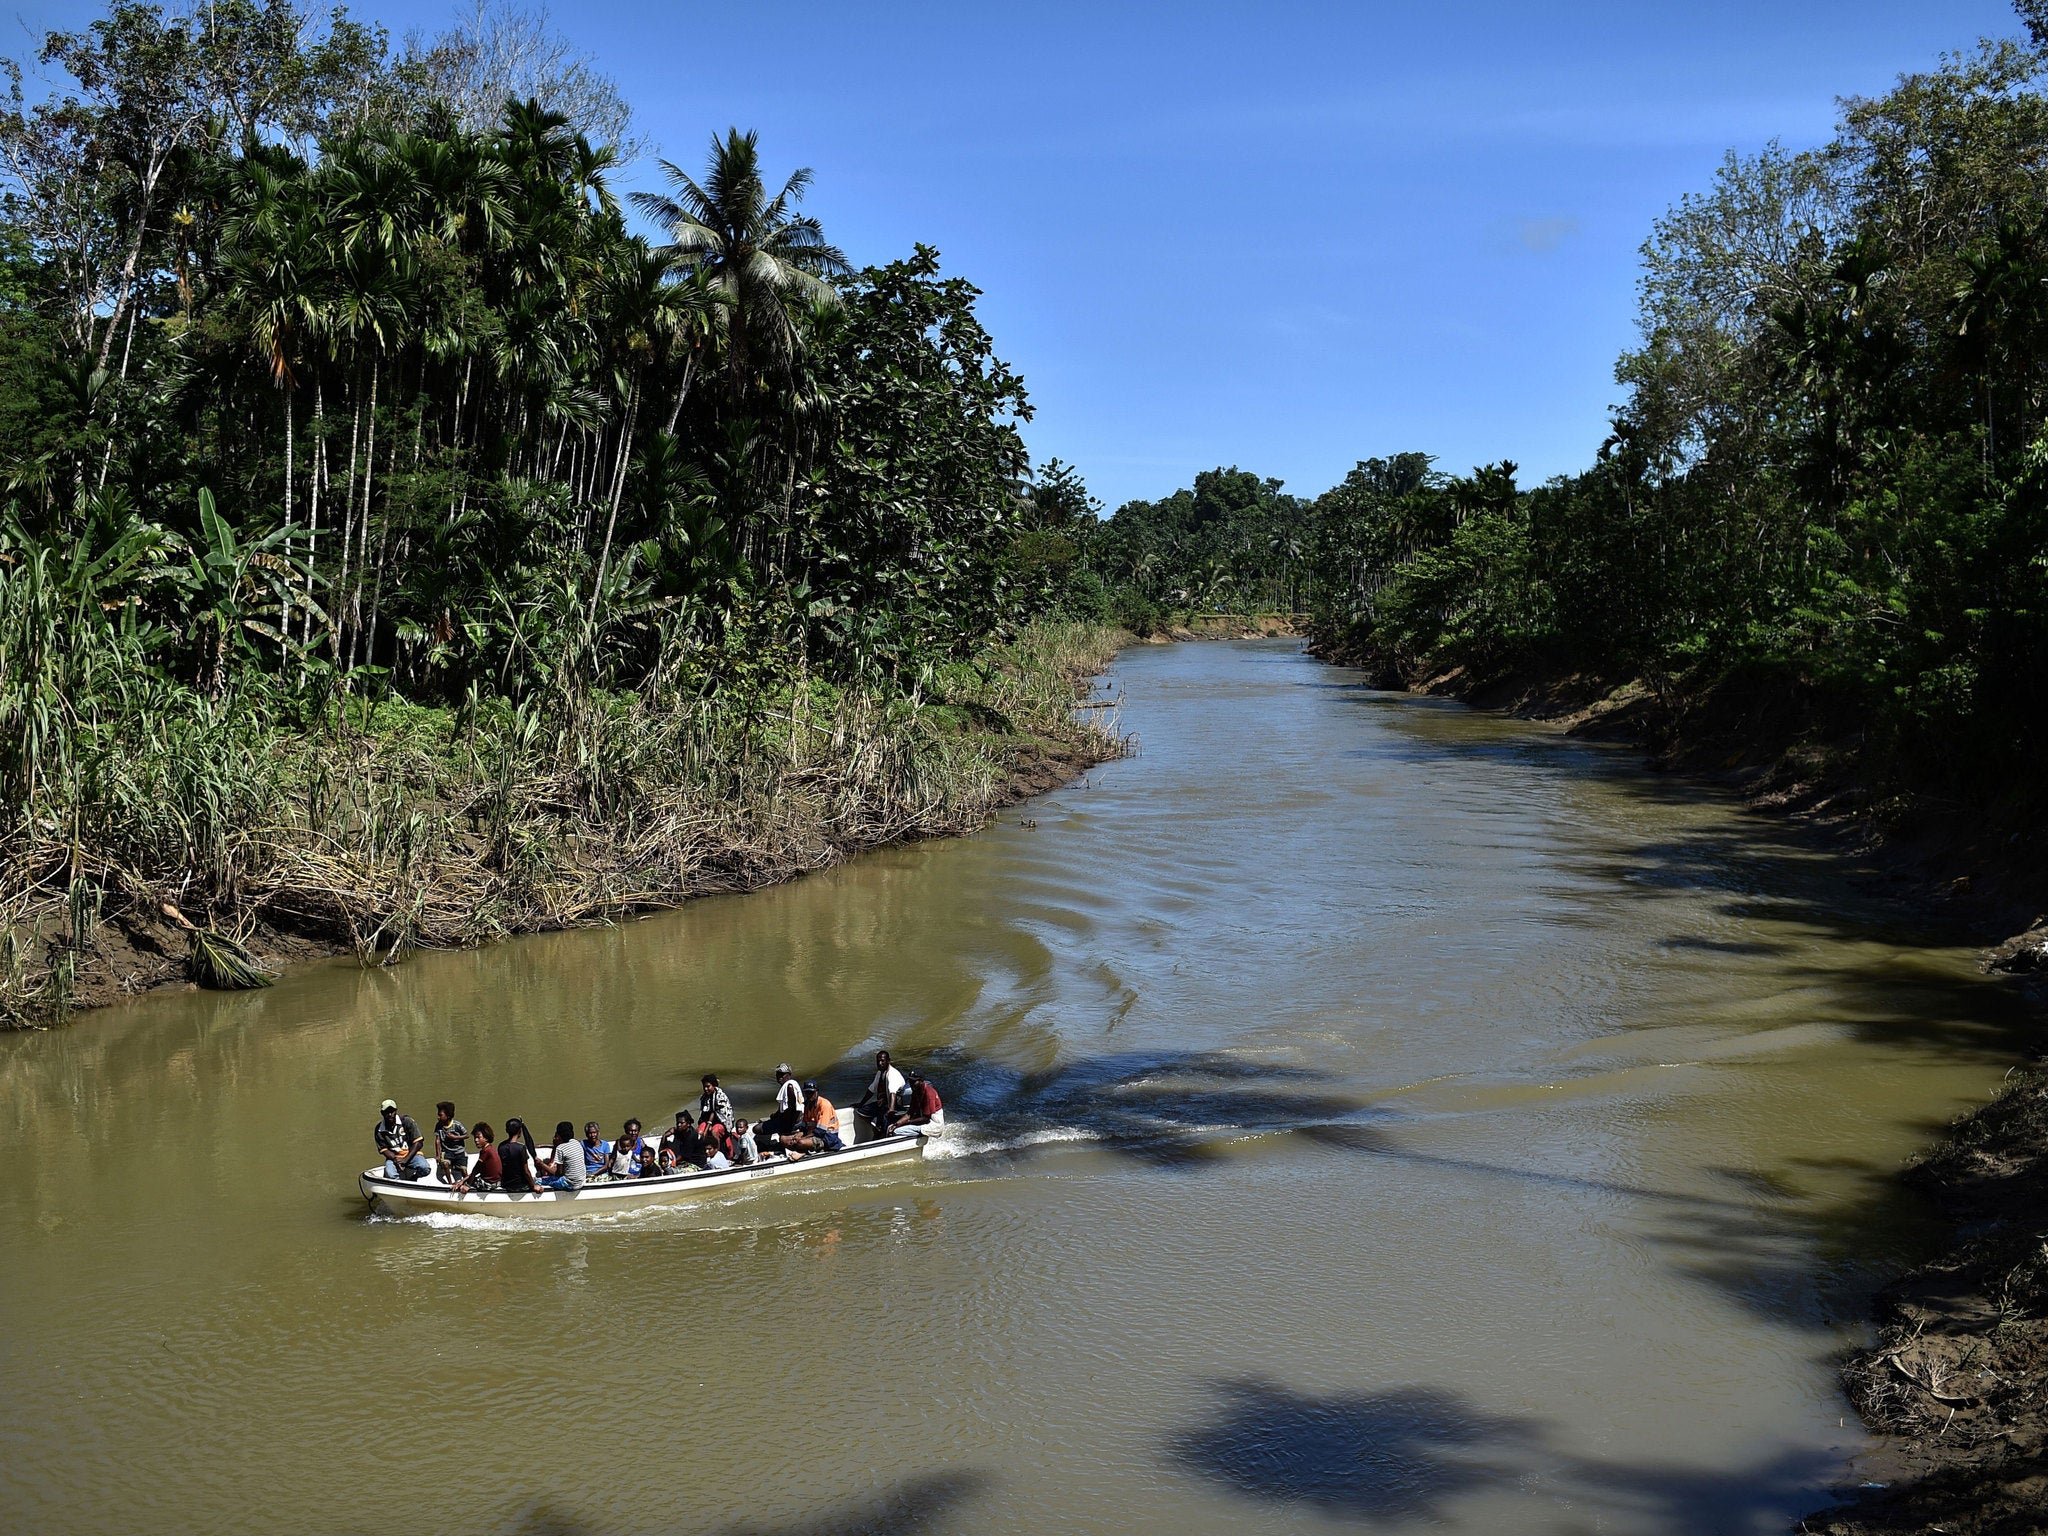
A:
762, 256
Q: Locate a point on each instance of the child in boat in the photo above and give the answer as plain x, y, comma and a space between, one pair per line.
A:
486, 1174
630, 1155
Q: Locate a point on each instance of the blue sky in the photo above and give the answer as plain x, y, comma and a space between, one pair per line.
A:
1283, 236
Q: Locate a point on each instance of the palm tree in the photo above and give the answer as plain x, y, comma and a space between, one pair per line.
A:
762, 257
275, 268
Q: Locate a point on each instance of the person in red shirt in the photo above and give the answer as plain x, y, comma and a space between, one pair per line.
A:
925, 1108
486, 1172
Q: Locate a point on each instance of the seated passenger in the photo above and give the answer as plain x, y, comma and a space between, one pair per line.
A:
716, 1137
518, 1165
788, 1113
451, 1142
923, 1106
398, 1138
713, 1105
630, 1154
564, 1168
820, 1130
597, 1152
743, 1149
714, 1159
886, 1090
486, 1173
681, 1147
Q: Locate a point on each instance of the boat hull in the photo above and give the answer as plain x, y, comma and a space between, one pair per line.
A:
425, 1197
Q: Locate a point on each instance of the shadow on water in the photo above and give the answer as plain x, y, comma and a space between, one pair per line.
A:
1395, 1455
1892, 992
1167, 1108
1793, 1259
1797, 1259
1410, 1453
908, 1508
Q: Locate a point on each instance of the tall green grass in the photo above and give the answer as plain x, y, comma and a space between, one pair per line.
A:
133, 799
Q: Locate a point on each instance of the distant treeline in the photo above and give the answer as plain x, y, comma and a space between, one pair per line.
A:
1828, 486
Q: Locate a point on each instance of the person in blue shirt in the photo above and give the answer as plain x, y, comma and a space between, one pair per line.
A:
597, 1152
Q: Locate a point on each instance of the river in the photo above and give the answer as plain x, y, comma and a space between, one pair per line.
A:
1369, 1112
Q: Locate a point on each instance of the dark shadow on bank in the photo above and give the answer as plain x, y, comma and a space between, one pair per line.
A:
909, 1508
1411, 1453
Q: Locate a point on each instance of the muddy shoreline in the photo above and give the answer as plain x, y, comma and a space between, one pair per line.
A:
1955, 1388
142, 952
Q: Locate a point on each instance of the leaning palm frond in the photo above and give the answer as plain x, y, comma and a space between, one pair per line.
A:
219, 963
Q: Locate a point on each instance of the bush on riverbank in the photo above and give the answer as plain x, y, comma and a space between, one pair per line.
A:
376, 826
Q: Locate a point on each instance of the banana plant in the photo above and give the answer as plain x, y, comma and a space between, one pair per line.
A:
241, 592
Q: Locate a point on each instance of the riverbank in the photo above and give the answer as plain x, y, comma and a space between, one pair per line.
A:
390, 827
1956, 1386
1231, 626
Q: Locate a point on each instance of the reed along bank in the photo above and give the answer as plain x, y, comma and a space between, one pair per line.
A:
210, 845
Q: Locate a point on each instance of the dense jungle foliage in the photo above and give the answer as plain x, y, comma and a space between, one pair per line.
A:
336, 384
1826, 492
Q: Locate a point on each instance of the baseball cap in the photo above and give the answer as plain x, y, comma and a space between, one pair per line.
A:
782, 1069
388, 1104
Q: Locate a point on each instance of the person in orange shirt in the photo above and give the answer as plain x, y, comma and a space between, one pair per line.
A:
820, 1129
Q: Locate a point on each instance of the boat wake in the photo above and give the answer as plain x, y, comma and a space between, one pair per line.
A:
964, 1140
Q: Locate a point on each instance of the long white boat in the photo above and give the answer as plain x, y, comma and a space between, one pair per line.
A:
417, 1197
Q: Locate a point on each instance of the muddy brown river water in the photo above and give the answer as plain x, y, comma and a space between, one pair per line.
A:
1369, 1113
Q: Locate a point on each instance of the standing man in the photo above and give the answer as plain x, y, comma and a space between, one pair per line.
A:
885, 1095
398, 1138
451, 1143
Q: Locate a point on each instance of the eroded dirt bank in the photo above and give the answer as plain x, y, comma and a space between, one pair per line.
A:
1957, 1385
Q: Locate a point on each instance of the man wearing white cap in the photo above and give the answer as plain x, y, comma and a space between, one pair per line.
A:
398, 1138
789, 1109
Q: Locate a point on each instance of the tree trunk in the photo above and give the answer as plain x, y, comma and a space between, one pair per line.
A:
618, 491
355, 602
315, 473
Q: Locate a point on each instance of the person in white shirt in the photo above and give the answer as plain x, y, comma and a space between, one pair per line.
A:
885, 1091
789, 1109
